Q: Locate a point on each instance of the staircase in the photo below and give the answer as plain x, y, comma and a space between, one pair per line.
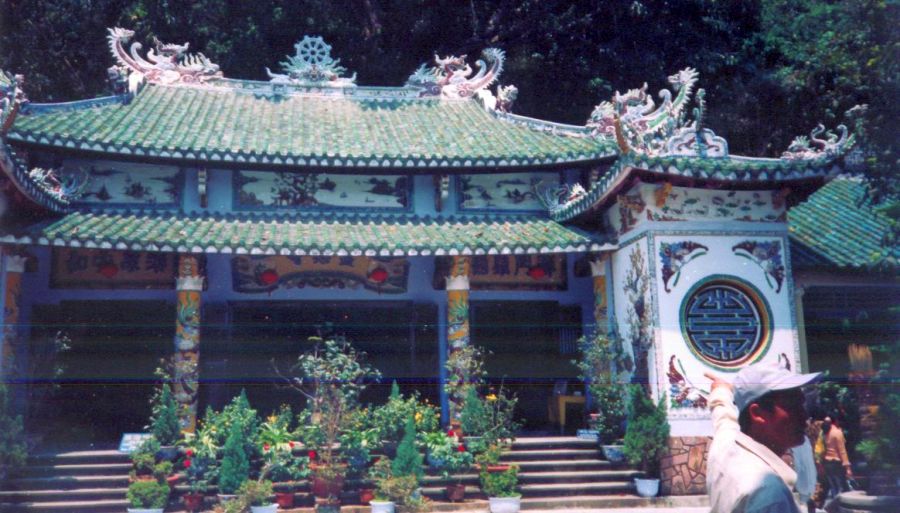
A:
69, 482
555, 472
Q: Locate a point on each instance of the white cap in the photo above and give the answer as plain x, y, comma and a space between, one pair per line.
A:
755, 381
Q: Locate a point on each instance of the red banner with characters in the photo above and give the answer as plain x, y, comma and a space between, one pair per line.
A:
78, 268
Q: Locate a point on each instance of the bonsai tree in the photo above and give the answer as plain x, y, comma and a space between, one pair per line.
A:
598, 364
164, 411
235, 464
647, 435
500, 484
12, 443
148, 495
255, 493
330, 377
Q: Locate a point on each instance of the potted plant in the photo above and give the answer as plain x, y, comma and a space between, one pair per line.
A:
646, 439
500, 487
330, 377
357, 443
164, 423
235, 467
12, 444
257, 495
450, 456
147, 496
196, 468
598, 364
281, 464
393, 490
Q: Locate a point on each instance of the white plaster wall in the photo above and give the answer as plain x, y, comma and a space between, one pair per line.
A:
719, 259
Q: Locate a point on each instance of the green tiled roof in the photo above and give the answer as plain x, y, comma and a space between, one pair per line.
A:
311, 235
835, 227
230, 124
719, 169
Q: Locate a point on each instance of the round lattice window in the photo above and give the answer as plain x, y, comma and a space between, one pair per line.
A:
726, 322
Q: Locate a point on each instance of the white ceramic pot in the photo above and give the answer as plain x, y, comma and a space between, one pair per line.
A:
647, 487
505, 504
145, 510
614, 453
382, 506
268, 508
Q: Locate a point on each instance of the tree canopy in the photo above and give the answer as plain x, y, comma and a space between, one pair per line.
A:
772, 69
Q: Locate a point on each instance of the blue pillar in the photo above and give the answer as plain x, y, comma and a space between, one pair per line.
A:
442, 358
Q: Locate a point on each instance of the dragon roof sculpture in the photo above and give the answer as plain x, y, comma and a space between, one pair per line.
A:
814, 147
451, 78
312, 65
167, 63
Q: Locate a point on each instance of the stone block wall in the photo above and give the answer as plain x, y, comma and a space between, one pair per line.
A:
683, 471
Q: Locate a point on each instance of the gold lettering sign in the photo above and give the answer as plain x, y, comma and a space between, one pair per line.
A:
510, 272
253, 274
78, 268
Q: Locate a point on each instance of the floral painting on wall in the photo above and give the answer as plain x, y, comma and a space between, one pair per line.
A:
116, 183
267, 189
504, 191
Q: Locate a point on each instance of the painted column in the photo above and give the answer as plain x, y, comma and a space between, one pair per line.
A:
189, 283
13, 267
799, 292
457, 330
598, 274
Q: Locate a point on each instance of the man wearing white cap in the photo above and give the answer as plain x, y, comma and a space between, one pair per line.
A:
756, 419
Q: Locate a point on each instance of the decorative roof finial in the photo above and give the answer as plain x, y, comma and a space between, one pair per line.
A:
312, 65
814, 147
506, 97
167, 63
12, 99
451, 78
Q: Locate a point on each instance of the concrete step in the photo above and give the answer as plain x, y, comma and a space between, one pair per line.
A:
534, 442
552, 454
65, 482
591, 488
79, 457
80, 494
545, 465
93, 469
88, 506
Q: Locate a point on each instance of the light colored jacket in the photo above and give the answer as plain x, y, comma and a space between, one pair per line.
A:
742, 475
805, 466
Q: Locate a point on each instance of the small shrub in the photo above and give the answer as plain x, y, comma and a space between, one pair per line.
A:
235, 464
409, 460
12, 443
256, 493
164, 411
148, 494
647, 435
500, 484
390, 487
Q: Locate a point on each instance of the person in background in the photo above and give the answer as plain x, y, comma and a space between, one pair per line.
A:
805, 466
836, 462
755, 420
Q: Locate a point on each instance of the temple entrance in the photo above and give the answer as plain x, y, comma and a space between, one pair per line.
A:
532, 345
100, 387
400, 339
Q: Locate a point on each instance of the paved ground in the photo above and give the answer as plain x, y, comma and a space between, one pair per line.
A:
622, 510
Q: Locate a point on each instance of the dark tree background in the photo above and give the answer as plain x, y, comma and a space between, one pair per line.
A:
772, 69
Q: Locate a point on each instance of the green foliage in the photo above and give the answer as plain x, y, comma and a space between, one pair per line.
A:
881, 449
276, 439
647, 435
358, 441
489, 417
148, 494
238, 414
255, 493
389, 419
12, 444
143, 459
235, 463
599, 358
408, 461
389, 486
164, 415
450, 456
500, 484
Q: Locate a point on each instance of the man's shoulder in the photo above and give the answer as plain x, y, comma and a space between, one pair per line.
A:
768, 493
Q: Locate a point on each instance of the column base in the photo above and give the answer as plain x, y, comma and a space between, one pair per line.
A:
683, 470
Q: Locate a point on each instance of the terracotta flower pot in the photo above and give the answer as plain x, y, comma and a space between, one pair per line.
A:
285, 500
366, 495
193, 501
456, 492
324, 486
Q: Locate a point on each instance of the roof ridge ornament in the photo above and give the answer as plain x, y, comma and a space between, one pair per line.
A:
312, 65
166, 63
452, 76
12, 99
639, 125
63, 187
814, 147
